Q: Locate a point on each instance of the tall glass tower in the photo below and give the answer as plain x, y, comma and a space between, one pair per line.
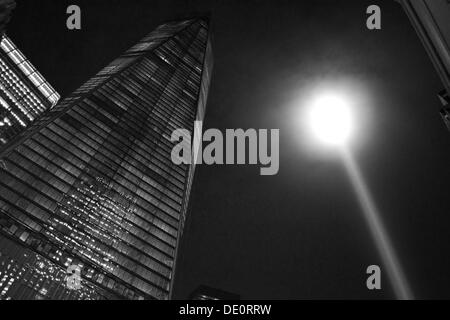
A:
91, 205
24, 93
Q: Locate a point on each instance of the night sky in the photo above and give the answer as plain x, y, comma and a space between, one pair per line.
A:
299, 234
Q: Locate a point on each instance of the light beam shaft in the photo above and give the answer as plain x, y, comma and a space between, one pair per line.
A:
379, 234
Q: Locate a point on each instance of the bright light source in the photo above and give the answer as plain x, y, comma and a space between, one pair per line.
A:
331, 120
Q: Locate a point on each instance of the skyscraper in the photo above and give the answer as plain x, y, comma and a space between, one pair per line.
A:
91, 185
431, 20
24, 93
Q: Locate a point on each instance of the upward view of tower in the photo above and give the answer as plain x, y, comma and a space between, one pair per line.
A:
431, 20
24, 93
90, 188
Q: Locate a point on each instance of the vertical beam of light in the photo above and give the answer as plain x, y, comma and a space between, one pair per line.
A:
383, 243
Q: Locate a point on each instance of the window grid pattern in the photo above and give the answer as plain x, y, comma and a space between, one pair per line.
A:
24, 93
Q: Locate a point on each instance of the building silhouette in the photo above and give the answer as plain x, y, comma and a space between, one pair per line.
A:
208, 293
431, 20
24, 93
91, 185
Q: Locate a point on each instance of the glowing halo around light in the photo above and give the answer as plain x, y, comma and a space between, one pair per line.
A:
325, 116
330, 119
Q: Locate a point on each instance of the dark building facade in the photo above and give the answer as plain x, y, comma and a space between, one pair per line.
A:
91, 186
431, 20
24, 93
445, 111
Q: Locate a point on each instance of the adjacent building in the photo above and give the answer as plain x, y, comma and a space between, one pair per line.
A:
24, 93
431, 20
445, 111
90, 185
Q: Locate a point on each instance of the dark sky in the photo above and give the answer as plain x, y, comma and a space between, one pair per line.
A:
300, 234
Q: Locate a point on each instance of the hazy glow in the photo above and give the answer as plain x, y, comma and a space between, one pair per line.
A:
331, 120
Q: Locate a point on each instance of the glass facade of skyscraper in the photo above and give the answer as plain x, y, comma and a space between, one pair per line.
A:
91, 185
24, 93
